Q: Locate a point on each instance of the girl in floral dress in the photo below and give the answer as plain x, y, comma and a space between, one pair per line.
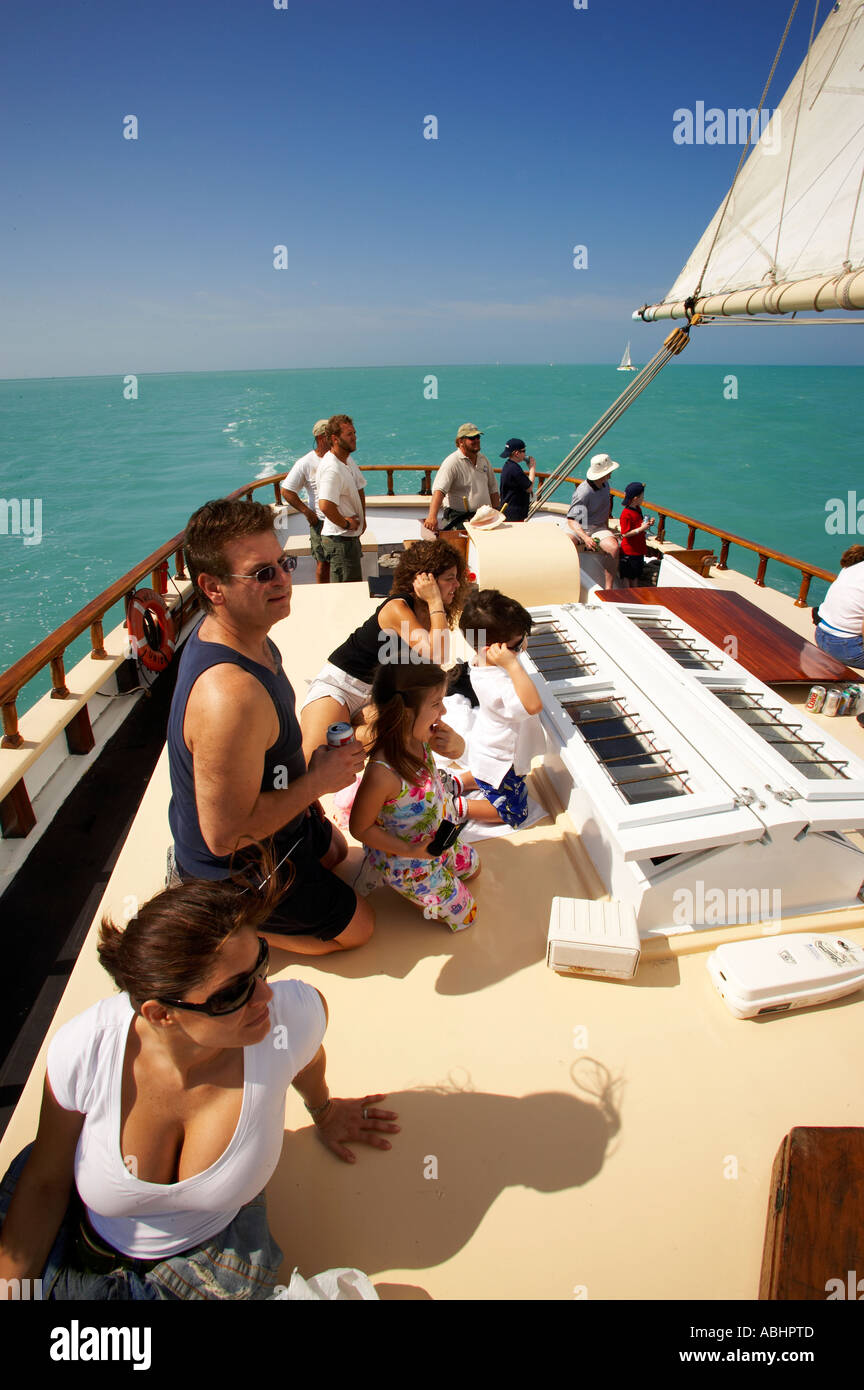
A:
401, 801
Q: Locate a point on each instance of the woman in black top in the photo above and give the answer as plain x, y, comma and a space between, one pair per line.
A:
429, 587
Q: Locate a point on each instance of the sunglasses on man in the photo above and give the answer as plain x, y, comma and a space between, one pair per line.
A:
233, 997
267, 573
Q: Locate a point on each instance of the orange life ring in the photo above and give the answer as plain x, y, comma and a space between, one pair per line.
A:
151, 630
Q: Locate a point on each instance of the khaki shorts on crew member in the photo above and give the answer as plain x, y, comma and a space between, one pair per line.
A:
345, 554
316, 543
599, 535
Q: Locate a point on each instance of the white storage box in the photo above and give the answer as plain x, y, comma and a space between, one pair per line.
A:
776, 973
593, 938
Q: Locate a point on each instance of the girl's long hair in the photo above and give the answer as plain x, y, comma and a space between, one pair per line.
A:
397, 694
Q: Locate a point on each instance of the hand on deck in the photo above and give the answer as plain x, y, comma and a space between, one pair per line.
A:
358, 1122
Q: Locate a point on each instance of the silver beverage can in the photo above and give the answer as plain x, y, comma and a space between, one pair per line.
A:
832, 702
816, 698
854, 693
339, 734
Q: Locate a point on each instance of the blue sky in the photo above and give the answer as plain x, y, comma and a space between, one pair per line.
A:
303, 127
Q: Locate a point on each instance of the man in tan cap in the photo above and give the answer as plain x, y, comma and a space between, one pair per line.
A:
465, 479
588, 516
302, 475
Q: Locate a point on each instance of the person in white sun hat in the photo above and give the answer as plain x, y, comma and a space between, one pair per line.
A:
588, 516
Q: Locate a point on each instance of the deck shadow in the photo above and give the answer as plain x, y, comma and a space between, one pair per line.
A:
514, 900
419, 1204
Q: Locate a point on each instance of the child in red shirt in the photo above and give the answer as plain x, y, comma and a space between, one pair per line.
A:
634, 526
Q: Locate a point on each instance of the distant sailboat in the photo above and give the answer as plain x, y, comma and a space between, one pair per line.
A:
626, 364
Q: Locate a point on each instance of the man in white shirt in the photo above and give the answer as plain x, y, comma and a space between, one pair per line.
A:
342, 502
465, 481
302, 475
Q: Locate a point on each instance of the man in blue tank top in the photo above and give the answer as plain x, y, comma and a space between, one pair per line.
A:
238, 774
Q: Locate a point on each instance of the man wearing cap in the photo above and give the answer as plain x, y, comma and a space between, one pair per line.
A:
516, 485
302, 475
588, 516
465, 481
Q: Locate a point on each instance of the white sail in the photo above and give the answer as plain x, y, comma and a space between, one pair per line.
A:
626, 365
792, 235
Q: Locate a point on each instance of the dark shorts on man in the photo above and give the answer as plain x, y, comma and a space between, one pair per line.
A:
345, 555
451, 519
316, 543
318, 903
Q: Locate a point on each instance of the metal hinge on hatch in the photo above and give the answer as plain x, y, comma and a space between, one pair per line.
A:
784, 794
748, 797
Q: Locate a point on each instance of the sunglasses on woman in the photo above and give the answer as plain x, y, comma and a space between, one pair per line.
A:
267, 573
233, 997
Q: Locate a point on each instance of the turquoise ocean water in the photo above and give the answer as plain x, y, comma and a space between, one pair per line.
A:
116, 478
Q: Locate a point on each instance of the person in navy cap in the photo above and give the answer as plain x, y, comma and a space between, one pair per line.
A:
516, 484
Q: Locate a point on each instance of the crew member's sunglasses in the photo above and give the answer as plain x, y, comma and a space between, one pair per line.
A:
233, 997
267, 573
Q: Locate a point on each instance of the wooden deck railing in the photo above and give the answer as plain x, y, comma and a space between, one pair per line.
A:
51, 651
726, 538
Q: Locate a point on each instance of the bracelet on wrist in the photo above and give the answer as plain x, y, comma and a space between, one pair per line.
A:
316, 1111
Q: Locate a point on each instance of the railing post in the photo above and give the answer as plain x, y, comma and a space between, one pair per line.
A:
79, 733
427, 483
801, 600
159, 577
179, 564
389, 482
724, 556
17, 817
97, 642
58, 679
760, 573
11, 737
661, 528
691, 537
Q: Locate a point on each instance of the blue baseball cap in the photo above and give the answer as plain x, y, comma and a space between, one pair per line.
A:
512, 447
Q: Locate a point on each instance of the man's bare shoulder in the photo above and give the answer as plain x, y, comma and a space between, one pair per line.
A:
226, 697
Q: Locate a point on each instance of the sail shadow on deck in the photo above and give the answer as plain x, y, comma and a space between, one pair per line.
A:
385, 1214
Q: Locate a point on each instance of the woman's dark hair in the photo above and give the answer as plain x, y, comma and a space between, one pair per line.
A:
490, 616
172, 943
397, 694
432, 557
853, 556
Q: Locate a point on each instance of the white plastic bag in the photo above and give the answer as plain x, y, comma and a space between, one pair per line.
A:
333, 1285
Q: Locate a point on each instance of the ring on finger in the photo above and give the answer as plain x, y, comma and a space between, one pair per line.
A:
365, 1113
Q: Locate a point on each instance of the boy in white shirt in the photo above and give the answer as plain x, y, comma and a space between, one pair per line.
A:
506, 732
342, 503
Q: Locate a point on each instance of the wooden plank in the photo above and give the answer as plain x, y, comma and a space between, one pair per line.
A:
772, 651
814, 1233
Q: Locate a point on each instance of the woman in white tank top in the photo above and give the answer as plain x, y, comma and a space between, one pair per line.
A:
163, 1112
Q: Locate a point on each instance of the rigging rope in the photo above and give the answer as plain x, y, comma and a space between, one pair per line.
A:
672, 346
